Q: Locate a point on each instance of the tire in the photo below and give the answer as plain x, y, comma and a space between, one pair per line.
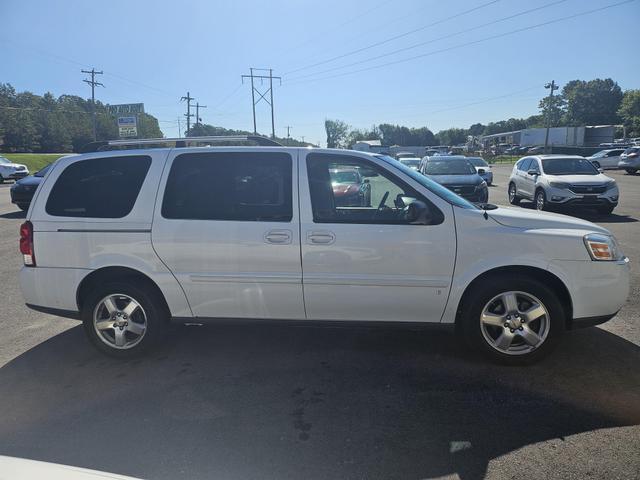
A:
142, 330
490, 337
540, 200
630, 171
23, 206
1, 179
606, 210
514, 199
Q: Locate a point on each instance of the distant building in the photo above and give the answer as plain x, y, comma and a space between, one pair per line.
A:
588, 136
375, 146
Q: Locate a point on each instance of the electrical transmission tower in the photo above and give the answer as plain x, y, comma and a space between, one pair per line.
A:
262, 95
188, 98
93, 84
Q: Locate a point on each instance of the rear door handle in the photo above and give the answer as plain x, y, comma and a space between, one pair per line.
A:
278, 237
323, 237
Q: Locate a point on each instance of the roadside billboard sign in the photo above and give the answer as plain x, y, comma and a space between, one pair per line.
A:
126, 108
127, 127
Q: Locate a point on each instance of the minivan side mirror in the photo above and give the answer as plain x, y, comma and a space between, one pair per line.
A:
481, 171
533, 173
417, 213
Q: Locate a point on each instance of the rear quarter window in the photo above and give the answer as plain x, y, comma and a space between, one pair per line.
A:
99, 187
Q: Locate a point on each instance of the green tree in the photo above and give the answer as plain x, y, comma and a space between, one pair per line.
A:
452, 136
593, 102
552, 109
629, 112
337, 133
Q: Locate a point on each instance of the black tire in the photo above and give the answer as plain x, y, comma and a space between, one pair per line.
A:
540, 200
23, 206
630, 171
606, 210
469, 324
512, 194
1, 179
152, 303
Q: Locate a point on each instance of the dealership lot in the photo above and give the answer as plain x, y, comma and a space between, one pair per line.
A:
255, 400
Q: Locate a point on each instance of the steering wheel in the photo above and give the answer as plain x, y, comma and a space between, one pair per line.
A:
382, 202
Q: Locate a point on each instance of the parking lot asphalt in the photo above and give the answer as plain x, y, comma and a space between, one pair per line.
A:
265, 401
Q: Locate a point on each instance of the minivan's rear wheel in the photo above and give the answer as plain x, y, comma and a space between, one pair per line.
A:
630, 171
541, 200
123, 319
514, 199
512, 320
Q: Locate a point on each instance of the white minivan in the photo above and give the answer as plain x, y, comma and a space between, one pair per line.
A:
129, 240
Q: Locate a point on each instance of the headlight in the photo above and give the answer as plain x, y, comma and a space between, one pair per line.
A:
610, 184
562, 185
602, 247
481, 186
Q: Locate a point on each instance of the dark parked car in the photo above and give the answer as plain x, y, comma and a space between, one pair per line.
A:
458, 175
23, 190
350, 189
535, 150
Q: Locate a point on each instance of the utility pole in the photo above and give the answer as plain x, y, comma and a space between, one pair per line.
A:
551, 86
262, 95
288, 135
302, 138
188, 98
179, 128
198, 107
93, 84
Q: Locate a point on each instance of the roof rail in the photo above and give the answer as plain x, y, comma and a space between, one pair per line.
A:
178, 142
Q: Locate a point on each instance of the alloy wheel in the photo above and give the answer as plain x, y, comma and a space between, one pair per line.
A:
120, 321
515, 323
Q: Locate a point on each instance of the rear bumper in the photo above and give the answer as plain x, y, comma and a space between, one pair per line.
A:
634, 163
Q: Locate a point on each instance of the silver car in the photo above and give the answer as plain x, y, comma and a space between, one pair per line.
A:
606, 158
562, 181
630, 160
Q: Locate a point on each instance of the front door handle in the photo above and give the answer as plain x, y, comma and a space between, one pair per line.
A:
323, 237
278, 237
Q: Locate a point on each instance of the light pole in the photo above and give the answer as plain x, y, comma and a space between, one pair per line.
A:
551, 86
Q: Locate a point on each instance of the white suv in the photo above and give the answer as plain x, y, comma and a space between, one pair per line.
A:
554, 181
129, 240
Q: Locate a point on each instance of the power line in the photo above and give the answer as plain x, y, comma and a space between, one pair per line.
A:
421, 44
198, 107
466, 44
395, 37
93, 84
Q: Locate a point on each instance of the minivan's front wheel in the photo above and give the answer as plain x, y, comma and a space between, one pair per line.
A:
512, 320
123, 319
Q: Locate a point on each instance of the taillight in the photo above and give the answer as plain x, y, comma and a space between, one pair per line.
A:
26, 244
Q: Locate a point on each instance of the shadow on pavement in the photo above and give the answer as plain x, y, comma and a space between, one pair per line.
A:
276, 401
16, 214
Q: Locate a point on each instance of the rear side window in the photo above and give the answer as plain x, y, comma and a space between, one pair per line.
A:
524, 164
241, 186
99, 187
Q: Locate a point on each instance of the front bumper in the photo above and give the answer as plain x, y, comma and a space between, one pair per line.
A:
22, 195
597, 289
17, 175
563, 197
488, 177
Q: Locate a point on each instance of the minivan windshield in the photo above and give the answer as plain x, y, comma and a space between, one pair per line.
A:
568, 166
4, 160
449, 167
434, 187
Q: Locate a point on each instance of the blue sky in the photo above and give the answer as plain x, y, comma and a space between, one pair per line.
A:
154, 51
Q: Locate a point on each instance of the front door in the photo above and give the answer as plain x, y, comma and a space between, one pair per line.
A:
361, 259
226, 225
